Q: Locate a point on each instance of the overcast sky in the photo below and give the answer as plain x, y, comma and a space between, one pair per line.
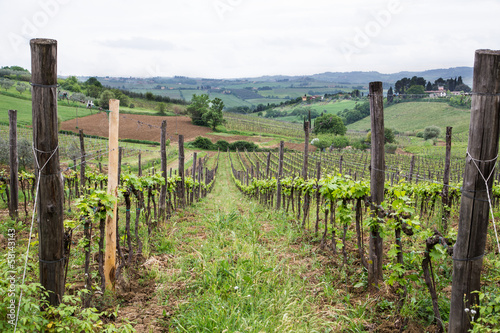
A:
247, 38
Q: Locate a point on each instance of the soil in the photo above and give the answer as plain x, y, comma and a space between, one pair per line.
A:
143, 127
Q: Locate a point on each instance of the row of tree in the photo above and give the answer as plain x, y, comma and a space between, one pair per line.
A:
412, 85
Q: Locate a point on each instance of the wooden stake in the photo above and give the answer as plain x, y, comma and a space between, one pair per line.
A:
181, 171
139, 172
46, 144
163, 153
268, 164
82, 162
14, 165
110, 252
446, 181
193, 175
377, 177
474, 207
306, 150
280, 174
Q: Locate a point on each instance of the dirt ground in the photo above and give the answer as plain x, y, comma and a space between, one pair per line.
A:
142, 127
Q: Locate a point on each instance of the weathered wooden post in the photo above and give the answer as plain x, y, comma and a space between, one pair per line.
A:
305, 172
113, 179
163, 153
482, 153
200, 171
82, 161
268, 164
14, 165
446, 182
412, 166
181, 171
377, 177
280, 175
139, 163
306, 150
193, 175
50, 189
318, 199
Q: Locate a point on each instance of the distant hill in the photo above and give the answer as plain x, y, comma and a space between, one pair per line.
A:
251, 92
364, 78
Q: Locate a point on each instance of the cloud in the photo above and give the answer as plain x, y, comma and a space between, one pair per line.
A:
139, 43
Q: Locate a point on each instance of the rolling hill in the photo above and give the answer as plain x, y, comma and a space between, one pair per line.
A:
416, 116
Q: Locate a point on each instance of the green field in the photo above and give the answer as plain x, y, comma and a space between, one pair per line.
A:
335, 106
23, 108
416, 116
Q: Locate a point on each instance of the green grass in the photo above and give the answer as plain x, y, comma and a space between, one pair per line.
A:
234, 279
335, 106
416, 116
24, 114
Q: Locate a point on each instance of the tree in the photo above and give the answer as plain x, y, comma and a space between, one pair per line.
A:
431, 132
21, 87
162, 107
149, 96
390, 95
416, 90
329, 123
94, 87
105, 97
6, 84
214, 117
389, 136
429, 86
462, 87
198, 107
77, 97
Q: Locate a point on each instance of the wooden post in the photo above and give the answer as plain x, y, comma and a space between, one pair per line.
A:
193, 175
305, 172
139, 164
181, 171
163, 153
446, 181
14, 165
113, 174
306, 150
377, 177
482, 151
200, 172
412, 166
280, 174
120, 155
268, 164
82, 161
50, 190
318, 199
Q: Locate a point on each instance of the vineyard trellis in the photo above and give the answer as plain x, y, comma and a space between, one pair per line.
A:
411, 197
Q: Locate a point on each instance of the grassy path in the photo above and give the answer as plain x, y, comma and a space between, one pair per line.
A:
227, 264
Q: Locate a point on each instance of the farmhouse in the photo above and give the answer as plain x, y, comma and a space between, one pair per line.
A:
436, 93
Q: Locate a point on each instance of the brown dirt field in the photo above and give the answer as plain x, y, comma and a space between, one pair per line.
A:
138, 127
143, 127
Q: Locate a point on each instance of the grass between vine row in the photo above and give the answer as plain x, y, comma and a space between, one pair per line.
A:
234, 265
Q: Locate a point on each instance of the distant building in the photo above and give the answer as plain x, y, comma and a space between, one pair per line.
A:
436, 93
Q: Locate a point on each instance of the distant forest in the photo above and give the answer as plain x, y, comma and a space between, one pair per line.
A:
404, 85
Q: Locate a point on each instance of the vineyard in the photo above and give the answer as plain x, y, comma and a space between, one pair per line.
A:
100, 240
328, 209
